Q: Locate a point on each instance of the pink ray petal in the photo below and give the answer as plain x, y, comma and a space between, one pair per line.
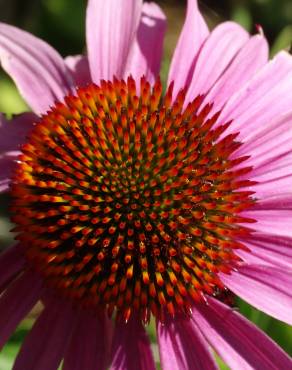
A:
89, 346
4, 183
7, 163
12, 135
182, 346
267, 142
278, 185
275, 201
192, 37
111, 26
276, 222
273, 180
272, 169
267, 250
271, 158
253, 55
271, 84
238, 342
217, 54
146, 53
131, 348
253, 259
45, 345
12, 262
265, 287
16, 302
273, 243
13, 132
36, 68
79, 68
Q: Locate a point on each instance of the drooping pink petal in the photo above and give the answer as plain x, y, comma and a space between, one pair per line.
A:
111, 26
79, 68
215, 57
253, 55
146, 53
265, 287
36, 68
131, 348
44, 346
89, 346
16, 302
253, 107
13, 132
12, 135
192, 37
12, 262
238, 342
182, 346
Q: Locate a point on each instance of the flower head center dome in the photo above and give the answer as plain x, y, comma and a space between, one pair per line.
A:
129, 201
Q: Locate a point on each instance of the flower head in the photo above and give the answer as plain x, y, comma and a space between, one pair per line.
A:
131, 203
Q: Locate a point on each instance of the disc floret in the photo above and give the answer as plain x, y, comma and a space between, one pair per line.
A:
130, 201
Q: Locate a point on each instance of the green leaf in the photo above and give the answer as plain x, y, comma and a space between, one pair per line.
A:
283, 41
241, 15
11, 102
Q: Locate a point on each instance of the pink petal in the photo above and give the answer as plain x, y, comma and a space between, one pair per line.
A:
146, 53
44, 346
192, 37
270, 169
253, 107
269, 148
182, 346
111, 26
131, 348
265, 287
271, 158
37, 69
89, 346
16, 302
253, 55
12, 135
13, 132
273, 178
79, 68
267, 252
268, 142
12, 262
275, 201
271, 221
274, 244
278, 185
216, 55
238, 342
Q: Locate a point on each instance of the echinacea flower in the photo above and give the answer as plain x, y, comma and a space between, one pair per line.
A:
130, 203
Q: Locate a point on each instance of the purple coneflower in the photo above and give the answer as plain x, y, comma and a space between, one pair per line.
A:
131, 203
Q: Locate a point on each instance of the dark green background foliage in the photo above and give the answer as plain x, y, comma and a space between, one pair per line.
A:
62, 23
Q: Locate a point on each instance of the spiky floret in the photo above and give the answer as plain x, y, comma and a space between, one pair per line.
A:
130, 201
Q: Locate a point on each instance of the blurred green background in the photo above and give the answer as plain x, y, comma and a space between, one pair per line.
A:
61, 23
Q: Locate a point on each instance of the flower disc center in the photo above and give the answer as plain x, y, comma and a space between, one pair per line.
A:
130, 201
